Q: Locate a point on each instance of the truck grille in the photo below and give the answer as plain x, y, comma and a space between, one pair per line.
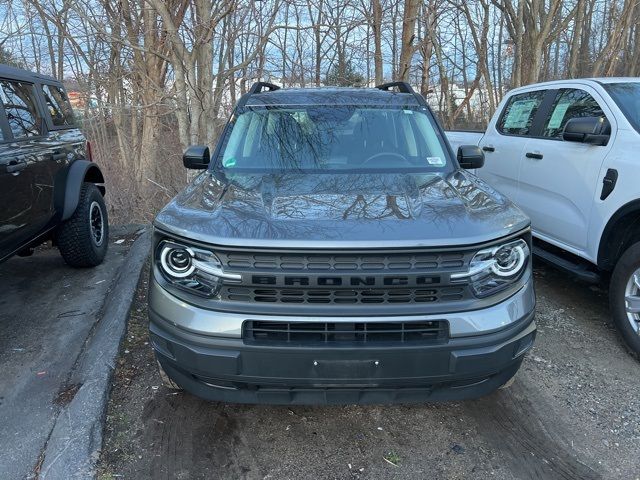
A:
376, 281
344, 333
341, 262
341, 296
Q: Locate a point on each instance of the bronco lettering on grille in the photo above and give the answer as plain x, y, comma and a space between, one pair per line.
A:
343, 281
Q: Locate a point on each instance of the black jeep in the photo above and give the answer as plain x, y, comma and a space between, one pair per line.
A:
49, 187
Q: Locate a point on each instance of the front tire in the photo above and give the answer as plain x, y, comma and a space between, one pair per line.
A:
624, 297
83, 238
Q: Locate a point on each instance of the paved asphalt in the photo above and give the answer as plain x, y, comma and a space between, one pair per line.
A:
47, 312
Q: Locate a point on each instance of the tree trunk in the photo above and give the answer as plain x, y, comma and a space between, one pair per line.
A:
408, 35
377, 41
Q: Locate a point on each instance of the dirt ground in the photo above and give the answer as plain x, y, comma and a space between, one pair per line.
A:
573, 412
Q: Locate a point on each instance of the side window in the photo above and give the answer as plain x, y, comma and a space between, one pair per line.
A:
519, 113
569, 103
19, 104
58, 105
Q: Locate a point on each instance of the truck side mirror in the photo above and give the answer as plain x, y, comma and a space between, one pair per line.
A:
591, 130
470, 157
196, 157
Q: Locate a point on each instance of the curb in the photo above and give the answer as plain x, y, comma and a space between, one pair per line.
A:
73, 448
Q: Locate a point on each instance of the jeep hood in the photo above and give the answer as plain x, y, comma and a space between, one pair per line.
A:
340, 210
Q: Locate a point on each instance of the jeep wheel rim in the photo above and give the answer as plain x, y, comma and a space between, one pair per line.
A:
632, 300
96, 221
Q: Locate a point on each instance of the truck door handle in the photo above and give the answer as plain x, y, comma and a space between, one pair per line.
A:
16, 166
489, 148
57, 156
535, 156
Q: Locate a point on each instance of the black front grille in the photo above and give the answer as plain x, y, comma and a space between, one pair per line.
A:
344, 333
341, 296
375, 281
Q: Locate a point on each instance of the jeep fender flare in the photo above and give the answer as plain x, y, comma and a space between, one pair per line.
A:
79, 171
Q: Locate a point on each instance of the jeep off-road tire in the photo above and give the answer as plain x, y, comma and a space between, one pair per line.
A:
166, 380
83, 238
624, 297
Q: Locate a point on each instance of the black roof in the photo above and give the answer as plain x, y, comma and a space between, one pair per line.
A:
7, 71
332, 96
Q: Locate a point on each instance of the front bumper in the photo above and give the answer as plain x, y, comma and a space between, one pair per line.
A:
226, 369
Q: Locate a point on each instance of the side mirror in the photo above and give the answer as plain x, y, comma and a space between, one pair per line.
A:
591, 130
470, 157
196, 157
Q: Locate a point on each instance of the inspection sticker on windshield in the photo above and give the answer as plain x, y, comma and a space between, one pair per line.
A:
435, 161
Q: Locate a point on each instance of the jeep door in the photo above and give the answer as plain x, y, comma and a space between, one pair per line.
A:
559, 180
26, 185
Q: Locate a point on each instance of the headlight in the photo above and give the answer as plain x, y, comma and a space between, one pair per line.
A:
176, 260
494, 269
193, 269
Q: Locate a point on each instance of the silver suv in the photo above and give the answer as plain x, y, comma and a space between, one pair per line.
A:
335, 251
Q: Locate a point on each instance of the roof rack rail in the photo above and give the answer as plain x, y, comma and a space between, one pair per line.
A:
259, 86
403, 87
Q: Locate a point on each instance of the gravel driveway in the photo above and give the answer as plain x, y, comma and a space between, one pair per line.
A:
573, 412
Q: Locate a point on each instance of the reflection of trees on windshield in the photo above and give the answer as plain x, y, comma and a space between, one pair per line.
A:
332, 137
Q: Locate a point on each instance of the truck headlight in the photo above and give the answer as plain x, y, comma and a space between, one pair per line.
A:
494, 269
192, 269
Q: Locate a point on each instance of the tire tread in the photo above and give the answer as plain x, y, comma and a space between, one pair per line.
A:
74, 235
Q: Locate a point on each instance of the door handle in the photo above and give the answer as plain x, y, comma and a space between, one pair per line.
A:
57, 156
535, 156
15, 167
489, 148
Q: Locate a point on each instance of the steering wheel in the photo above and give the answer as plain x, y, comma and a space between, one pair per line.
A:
377, 156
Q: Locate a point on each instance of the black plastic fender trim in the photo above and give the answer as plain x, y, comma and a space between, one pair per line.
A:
77, 173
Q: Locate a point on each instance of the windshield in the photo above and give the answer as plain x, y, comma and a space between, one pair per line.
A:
627, 97
334, 138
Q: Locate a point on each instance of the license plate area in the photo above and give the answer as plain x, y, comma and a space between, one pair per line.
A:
346, 369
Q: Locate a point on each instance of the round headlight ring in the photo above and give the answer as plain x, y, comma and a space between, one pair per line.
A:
177, 260
512, 261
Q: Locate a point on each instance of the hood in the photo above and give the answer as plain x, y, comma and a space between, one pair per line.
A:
340, 210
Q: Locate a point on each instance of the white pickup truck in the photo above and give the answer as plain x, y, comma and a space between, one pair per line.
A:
565, 152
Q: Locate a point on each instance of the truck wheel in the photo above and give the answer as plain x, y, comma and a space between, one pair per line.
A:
624, 297
166, 380
83, 238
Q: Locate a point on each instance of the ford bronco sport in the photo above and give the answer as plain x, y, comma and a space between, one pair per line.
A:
334, 251
50, 189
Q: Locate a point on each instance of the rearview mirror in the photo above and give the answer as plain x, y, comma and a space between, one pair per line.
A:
196, 157
470, 157
591, 130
